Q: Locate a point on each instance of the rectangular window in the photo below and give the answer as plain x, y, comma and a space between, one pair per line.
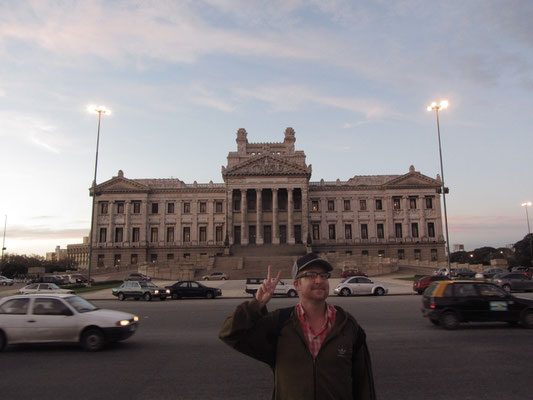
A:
315, 205
331, 229
103, 235
237, 204
119, 234
348, 231
381, 253
397, 203
218, 207
364, 231
417, 254
117, 257
316, 232
203, 234
170, 256
283, 199
398, 230
364, 253
347, 205
331, 205
103, 207
414, 230
429, 203
155, 208
203, 207
401, 254
186, 208
101, 259
186, 234
362, 205
153, 235
218, 231
120, 207
380, 231
379, 204
133, 259
135, 235
412, 203
433, 254
153, 258
297, 199
431, 229
170, 208
170, 234
186, 256
136, 207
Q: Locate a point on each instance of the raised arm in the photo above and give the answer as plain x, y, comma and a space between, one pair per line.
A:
266, 290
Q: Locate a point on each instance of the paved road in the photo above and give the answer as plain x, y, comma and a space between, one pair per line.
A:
176, 355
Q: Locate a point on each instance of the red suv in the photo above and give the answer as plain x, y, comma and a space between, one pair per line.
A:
420, 285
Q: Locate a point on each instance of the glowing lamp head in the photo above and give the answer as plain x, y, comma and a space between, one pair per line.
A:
526, 204
441, 106
98, 109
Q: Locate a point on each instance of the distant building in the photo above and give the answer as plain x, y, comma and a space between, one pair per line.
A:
266, 200
79, 253
58, 255
458, 247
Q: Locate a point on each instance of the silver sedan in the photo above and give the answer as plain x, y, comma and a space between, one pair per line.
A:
44, 288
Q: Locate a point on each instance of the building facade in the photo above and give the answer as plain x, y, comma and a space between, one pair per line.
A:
267, 198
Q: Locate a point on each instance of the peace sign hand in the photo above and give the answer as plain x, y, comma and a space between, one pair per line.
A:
266, 290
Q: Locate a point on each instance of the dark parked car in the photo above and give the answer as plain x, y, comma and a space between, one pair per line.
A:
463, 273
489, 273
422, 284
448, 303
192, 289
525, 270
140, 289
137, 277
352, 272
513, 282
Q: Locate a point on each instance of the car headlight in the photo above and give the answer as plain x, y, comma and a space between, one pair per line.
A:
156, 291
167, 291
124, 322
135, 318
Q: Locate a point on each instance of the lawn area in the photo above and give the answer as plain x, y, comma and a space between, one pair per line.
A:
95, 286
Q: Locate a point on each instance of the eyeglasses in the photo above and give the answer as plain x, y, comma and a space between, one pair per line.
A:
313, 275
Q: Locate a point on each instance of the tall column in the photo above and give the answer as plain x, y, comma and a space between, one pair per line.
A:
305, 214
290, 222
127, 224
244, 224
111, 211
229, 211
259, 208
275, 217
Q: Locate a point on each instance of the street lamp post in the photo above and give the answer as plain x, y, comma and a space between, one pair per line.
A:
441, 106
98, 110
526, 205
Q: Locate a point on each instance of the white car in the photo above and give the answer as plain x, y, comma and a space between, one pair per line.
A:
359, 285
6, 281
61, 318
282, 288
44, 288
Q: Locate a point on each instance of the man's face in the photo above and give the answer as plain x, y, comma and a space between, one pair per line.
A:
316, 289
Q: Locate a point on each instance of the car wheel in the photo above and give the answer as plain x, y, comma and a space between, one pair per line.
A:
292, 293
3, 341
4, 283
345, 292
435, 321
379, 291
206, 278
527, 319
175, 296
121, 296
147, 296
449, 320
209, 295
92, 340
507, 288
420, 291
224, 278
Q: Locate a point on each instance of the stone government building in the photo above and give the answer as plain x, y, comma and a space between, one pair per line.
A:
266, 211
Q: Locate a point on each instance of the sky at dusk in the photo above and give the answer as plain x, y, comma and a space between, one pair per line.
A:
353, 78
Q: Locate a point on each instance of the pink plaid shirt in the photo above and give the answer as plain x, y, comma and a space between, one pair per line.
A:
315, 339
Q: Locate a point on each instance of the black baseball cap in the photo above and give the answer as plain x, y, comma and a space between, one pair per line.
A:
307, 261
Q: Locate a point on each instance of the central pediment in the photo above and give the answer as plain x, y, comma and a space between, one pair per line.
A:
121, 184
266, 165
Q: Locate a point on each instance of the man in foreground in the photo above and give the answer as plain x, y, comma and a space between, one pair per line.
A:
315, 350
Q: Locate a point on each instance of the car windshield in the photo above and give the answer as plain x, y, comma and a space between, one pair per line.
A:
344, 280
80, 304
53, 286
147, 284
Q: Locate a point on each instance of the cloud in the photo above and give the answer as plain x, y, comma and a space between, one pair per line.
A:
19, 232
469, 224
201, 96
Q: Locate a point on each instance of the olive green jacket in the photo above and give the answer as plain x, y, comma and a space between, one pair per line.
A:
341, 370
